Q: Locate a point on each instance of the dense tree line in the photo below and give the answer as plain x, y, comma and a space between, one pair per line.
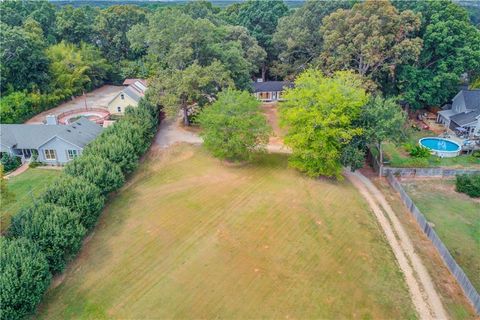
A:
47, 233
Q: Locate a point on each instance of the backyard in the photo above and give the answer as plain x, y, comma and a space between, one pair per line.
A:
456, 219
24, 187
192, 237
397, 154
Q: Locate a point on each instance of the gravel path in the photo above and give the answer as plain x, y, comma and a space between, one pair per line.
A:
170, 133
422, 290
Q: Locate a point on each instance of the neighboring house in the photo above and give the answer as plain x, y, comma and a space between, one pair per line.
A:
463, 112
270, 90
53, 143
130, 96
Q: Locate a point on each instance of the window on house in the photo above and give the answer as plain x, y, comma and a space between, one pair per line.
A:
122, 96
72, 154
50, 154
119, 109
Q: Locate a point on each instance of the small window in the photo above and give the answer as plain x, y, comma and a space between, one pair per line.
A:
119, 109
122, 96
50, 154
72, 154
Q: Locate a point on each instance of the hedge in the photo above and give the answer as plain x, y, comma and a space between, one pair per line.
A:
57, 221
468, 184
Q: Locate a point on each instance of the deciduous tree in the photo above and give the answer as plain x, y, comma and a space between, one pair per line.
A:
233, 126
319, 114
372, 38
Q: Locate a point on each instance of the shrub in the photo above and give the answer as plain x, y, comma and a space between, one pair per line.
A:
418, 151
24, 277
9, 162
233, 126
55, 229
78, 195
106, 175
468, 184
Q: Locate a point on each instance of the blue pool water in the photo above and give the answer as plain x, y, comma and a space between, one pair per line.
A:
438, 144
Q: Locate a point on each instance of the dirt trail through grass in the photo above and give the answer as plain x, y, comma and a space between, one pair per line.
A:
422, 290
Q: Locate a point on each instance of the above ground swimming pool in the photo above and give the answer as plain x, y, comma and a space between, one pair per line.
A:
441, 147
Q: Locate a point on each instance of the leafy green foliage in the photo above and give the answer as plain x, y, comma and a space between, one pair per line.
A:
56, 230
24, 277
79, 196
10, 163
318, 115
183, 88
297, 37
418, 151
107, 176
468, 184
451, 47
111, 27
233, 126
381, 38
75, 25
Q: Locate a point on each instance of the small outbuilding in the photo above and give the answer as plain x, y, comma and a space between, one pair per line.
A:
130, 96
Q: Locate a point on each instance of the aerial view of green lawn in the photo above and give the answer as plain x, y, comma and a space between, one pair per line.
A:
24, 187
456, 218
193, 237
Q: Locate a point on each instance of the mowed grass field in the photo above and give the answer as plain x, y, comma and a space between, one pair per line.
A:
24, 187
456, 218
192, 237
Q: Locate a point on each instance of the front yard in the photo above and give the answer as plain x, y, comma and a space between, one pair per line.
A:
397, 155
192, 237
24, 187
456, 219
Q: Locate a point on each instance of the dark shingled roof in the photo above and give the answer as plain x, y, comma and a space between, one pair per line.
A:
472, 98
465, 117
271, 86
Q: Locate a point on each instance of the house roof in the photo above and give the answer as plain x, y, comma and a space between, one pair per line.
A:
135, 90
268, 86
465, 117
128, 82
471, 98
33, 136
133, 93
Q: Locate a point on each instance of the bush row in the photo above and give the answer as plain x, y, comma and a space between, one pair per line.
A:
469, 184
48, 233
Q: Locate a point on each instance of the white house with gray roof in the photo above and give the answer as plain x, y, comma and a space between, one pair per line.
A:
464, 112
53, 143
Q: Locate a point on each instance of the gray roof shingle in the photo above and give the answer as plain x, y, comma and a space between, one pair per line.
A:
32, 136
268, 86
472, 98
465, 117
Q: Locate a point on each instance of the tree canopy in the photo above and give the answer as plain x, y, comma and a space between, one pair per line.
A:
233, 126
318, 115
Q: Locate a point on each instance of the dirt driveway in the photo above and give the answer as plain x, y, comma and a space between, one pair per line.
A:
98, 98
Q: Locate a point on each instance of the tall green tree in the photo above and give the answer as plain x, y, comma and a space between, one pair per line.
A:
372, 38
24, 64
24, 277
260, 17
319, 114
75, 25
111, 27
181, 89
297, 37
382, 119
451, 47
233, 126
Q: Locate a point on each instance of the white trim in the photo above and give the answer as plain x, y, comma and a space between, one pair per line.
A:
55, 136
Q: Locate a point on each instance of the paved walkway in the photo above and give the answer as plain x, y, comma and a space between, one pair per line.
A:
422, 290
24, 167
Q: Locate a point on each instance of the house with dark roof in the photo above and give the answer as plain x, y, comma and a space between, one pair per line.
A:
53, 144
130, 96
463, 113
269, 91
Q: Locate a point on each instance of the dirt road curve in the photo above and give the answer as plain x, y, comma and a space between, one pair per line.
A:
423, 293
